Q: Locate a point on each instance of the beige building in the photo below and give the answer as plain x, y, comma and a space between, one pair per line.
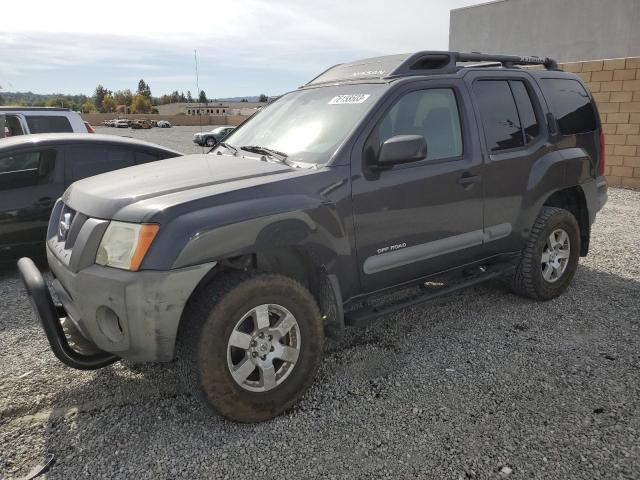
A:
211, 108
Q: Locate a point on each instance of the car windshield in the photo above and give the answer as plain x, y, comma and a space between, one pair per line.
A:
308, 125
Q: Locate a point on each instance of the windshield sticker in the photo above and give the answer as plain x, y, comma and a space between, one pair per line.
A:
343, 99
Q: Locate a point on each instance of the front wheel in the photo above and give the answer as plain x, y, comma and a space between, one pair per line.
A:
253, 345
210, 142
550, 258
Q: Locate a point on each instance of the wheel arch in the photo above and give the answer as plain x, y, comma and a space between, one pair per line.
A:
574, 200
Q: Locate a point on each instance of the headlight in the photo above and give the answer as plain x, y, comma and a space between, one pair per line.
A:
124, 245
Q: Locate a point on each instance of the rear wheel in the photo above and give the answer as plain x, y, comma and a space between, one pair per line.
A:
210, 142
550, 258
252, 345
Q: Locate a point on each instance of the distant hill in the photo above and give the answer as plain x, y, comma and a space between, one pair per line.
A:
38, 99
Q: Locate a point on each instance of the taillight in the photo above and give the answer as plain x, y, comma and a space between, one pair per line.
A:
602, 153
89, 127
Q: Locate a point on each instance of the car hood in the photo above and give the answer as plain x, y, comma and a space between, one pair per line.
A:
135, 193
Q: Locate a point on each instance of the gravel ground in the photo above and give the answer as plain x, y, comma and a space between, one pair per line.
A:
178, 138
482, 384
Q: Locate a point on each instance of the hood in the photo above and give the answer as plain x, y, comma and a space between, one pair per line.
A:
131, 194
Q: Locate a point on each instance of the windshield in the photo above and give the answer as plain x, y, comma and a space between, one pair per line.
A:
308, 125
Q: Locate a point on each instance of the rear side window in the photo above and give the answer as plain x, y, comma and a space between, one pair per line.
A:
499, 115
508, 116
25, 169
86, 161
570, 104
48, 124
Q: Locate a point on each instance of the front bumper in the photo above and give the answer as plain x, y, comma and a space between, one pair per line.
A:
132, 315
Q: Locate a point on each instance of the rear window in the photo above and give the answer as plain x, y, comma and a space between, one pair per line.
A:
48, 124
570, 104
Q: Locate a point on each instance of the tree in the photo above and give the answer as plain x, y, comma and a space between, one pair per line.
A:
182, 97
140, 104
109, 104
202, 98
175, 97
98, 96
88, 107
1, 100
144, 90
244, 100
123, 97
189, 97
164, 99
263, 98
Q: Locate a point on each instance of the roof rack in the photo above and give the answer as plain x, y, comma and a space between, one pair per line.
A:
422, 63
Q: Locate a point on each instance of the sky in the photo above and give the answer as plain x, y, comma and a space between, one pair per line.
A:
244, 47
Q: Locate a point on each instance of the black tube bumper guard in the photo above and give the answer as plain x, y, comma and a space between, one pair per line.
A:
49, 315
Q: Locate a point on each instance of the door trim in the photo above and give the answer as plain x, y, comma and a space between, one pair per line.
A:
443, 246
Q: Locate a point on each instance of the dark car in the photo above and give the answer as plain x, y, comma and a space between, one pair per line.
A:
415, 172
212, 138
35, 170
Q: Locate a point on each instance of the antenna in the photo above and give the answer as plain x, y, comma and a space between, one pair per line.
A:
195, 56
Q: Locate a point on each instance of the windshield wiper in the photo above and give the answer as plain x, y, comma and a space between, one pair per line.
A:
225, 145
280, 156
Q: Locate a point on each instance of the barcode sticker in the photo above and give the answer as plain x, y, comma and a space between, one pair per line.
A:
345, 99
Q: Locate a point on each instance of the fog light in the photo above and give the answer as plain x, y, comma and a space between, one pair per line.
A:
109, 324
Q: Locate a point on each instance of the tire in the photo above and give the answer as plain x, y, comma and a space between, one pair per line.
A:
208, 359
540, 280
210, 142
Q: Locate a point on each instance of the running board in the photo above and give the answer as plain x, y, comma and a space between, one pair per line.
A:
365, 315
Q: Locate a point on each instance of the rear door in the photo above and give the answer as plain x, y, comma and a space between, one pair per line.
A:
514, 137
30, 183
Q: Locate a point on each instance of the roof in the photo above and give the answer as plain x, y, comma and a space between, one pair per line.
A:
75, 138
17, 108
420, 63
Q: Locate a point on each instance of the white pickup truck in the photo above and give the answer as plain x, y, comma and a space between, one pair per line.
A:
25, 120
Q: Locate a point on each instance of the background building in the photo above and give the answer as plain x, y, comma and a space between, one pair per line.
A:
567, 30
211, 108
599, 40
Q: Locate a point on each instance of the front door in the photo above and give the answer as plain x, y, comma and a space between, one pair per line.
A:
30, 183
427, 216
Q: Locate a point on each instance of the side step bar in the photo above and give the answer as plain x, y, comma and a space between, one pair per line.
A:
49, 317
365, 315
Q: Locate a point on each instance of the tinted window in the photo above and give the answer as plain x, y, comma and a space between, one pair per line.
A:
570, 105
86, 161
431, 113
499, 115
526, 112
12, 126
26, 169
46, 124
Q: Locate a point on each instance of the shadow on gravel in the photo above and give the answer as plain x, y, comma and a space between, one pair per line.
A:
483, 377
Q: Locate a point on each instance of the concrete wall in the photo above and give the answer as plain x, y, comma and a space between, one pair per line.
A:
567, 30
189, 120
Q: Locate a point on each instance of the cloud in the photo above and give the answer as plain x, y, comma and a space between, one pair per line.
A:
276, 43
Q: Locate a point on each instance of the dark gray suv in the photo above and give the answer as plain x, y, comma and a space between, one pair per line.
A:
426, 172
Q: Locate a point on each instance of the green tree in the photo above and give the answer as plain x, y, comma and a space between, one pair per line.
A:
140, 104
1, 100
263, 98
164, 99
202, 98
98, 97
189, 97
123, 97
143, 89
88, 107
109, 104
244, 100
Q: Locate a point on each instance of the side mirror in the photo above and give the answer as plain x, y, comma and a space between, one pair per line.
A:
402, 149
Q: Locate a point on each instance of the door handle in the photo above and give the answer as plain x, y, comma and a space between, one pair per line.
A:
467, 180
44, 202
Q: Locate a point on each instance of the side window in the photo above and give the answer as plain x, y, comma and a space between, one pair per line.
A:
48, 124
570, 104
431, 113
146, 157
26, 169
528, 121
499, 114
86, 161
12, 126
